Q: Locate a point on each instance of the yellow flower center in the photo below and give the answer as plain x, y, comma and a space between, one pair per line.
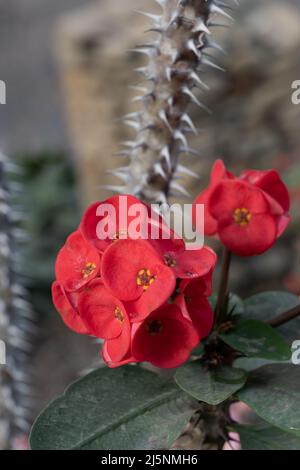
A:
242, 217
145, 278
88, 270
119, 314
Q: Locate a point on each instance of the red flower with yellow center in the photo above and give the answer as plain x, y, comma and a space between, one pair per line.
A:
77, 263
246, 224
135, 273
247, 213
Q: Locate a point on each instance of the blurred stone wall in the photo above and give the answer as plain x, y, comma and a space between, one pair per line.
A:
253, 118
32, 119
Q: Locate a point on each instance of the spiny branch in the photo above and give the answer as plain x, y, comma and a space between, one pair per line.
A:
16, 320
171, 75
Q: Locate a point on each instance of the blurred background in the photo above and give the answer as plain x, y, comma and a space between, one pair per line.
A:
67, 70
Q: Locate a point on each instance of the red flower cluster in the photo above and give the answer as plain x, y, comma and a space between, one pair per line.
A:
248, 213
147, 299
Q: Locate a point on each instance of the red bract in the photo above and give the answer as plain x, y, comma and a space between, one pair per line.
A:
108, 354
276, 192
188, 264
246, 225
166, 338
121, 288
77, 263
103, 313
218, 174
118, 217
134, 272
247, 213
194, 306
67, 310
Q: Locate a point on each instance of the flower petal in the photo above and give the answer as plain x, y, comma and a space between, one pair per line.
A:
254, 239
77, 263
104, 314
124, 260
165, 338
67, 312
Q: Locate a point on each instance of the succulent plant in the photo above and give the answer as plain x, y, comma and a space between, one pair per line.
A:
16, 319
173, 72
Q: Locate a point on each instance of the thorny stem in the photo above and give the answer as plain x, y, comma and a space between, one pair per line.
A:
285, 317
223, 293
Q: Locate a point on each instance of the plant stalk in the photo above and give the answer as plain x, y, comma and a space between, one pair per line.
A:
285, 317
223, 294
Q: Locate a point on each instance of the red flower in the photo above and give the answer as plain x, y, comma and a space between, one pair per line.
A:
194, 305
117, 287
247, 213
187, 264
246, 225
119, 217
65, 304
218, 174
77, 263
134, 272
110, 354
276, 192
103, 313
166, 338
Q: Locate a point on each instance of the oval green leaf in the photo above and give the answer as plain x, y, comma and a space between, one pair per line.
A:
267, 305
116, 409
211, 387
266, 437
257, 339
273, 392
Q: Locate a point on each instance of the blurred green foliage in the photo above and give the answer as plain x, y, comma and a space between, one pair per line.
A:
49, 201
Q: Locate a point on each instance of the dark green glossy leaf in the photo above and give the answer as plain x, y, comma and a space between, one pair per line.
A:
267, 305
212, 387
252, 363
273, 392
256, 339
235, 305
266, 437
119, 409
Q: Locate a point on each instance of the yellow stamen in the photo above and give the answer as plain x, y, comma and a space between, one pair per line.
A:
145, 278
119, 314
88, 270
242, 217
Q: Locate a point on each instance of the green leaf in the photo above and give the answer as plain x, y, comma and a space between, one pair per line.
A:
116, 409
273, 392
267, 305
256, 339
235, 304
266, 437
210, 386
252, 363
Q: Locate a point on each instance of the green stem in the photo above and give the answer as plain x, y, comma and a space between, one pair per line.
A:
222, 302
